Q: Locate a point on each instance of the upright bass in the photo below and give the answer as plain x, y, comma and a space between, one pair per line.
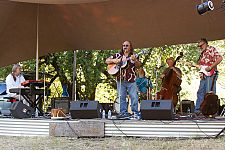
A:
170, 85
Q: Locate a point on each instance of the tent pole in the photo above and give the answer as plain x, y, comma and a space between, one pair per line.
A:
37, 43
74, 95
37, 52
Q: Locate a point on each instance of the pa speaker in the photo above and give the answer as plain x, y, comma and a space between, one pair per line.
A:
20, 110
85, 109
157, 110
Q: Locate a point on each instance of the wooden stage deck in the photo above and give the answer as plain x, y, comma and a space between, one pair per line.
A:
109, 128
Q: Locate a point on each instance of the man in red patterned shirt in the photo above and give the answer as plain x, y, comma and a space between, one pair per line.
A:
208, 61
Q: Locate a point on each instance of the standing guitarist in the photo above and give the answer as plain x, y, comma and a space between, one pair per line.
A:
127, 77
211, 58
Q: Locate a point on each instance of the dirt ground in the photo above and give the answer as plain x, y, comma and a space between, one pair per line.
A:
52, 143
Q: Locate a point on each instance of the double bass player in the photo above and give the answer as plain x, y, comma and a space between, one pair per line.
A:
171, 81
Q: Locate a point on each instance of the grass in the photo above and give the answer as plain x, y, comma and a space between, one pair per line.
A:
120, 143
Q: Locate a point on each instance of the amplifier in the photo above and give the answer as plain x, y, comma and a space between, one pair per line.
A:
185, 104
61, 103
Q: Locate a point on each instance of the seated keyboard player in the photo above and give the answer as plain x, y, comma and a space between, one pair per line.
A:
14, 80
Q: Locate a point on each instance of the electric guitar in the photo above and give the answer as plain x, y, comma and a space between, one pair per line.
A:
113, 68
206, 73
202, 69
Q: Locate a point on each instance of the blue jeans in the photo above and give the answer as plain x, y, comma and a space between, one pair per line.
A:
204, 87
131, 88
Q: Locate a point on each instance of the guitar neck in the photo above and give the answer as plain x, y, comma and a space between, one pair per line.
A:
195, 65
128, 58
191, 64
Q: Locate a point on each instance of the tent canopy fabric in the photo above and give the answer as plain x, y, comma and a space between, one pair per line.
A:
58, 1
101, 25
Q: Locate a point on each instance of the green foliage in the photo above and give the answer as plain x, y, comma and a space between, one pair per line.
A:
156, 62
4, 71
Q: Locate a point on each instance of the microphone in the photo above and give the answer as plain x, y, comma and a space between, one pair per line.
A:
21, 74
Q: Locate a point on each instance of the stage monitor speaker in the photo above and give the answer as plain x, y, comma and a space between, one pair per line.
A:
85, 109
157, 110
20, 110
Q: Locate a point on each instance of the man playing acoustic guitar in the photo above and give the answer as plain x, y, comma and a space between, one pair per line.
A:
127, 77
208, 61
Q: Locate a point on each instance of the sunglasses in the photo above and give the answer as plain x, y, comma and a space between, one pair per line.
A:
201, 45
126, 45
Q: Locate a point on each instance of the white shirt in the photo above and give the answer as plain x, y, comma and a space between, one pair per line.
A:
10, 83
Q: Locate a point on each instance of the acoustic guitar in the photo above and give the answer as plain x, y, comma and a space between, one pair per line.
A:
113, 68
210, 104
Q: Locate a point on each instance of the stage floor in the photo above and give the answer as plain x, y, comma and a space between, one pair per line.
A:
107, 128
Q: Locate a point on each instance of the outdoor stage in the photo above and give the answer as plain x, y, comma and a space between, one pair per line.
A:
106, 128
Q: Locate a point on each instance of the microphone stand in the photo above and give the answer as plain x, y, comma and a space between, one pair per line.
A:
156, 78
149, 89
120, 76
36, 111
19, 87
156, 70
